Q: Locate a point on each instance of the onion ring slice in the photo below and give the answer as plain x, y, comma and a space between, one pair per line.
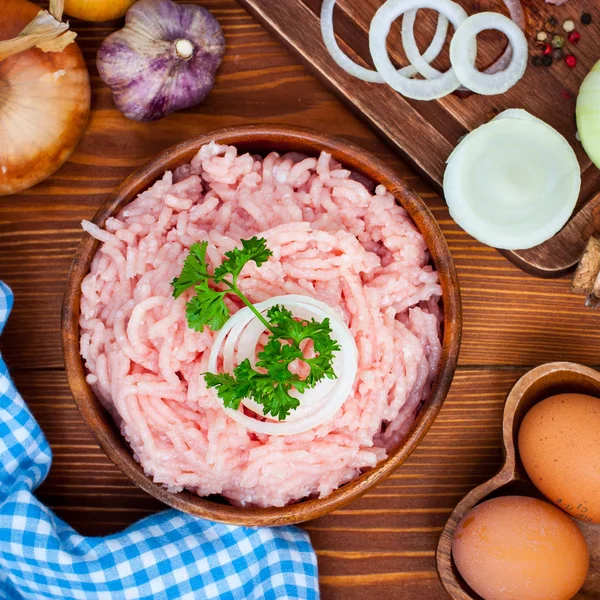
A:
315, 412
463, 58
418, 89
420, 63
369, 75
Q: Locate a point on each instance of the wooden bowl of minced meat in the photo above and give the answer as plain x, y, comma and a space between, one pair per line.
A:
261, 324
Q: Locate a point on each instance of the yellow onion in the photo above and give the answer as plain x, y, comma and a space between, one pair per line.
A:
44, 94
97, 10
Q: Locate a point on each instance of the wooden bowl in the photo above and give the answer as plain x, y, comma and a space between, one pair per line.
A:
540, 383
262, 139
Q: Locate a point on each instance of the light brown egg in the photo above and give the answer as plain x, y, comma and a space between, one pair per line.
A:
520, 548
559, 444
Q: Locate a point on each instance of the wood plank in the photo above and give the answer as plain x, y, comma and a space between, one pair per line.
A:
425, 132
381, 544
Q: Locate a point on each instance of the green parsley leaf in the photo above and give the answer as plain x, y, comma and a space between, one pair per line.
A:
270, 383
194, 269
207, 307
253, 249
229, 388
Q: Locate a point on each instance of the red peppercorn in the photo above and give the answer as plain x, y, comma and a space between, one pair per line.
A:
546, 49
574, 37
566, 94
571, 61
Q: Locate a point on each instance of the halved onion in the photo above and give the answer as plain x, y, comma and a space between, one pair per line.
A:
239, 339
588, 114
512, 183
418, 89
463, 57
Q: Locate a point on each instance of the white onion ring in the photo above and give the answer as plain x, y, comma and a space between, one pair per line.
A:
463, 58
420, 63
417, 89
337, 54
515, 10
312, 398
360, 72
314, 414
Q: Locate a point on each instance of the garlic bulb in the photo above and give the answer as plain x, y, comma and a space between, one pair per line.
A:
44, 94
163, 60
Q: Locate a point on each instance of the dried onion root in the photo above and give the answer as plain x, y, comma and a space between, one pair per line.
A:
44, 94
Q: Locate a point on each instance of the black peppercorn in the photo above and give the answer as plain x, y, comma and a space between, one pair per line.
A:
550, 25
586, 18
537, 61
547, 61
558, 54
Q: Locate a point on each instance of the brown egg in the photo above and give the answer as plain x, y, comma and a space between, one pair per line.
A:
559, 444
520, 548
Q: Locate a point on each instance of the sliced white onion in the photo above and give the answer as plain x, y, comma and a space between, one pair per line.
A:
421, 63
512, 183
418, 89
337, 54
515, 10
347, 64
311, 399
318, 404
588, 114
463, 58
418, 62
412, 50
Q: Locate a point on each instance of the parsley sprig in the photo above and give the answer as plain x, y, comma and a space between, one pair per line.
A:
271, 382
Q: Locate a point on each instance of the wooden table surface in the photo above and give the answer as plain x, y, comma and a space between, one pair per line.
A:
383, 545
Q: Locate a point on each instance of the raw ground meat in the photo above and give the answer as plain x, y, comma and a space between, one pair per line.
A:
333, 239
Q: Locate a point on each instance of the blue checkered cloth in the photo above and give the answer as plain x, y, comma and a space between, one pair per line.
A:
168, 556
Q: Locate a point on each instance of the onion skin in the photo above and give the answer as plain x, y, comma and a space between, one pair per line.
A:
97, 10
44, 105
140, 63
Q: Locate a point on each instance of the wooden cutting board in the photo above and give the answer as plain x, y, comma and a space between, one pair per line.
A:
426, 132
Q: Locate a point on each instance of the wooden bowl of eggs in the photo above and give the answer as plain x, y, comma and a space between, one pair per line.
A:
532, 532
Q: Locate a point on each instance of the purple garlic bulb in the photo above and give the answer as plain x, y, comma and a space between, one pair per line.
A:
163, 60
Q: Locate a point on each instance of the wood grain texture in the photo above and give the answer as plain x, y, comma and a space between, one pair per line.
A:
426, 132
384, 544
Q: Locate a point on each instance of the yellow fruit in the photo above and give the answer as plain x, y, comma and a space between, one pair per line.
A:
97, 10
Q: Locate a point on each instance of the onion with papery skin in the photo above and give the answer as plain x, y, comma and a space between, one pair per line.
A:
163, 60
588, 114
44, 95
97, 10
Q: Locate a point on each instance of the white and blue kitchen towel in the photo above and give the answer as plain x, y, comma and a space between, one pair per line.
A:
168, 556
